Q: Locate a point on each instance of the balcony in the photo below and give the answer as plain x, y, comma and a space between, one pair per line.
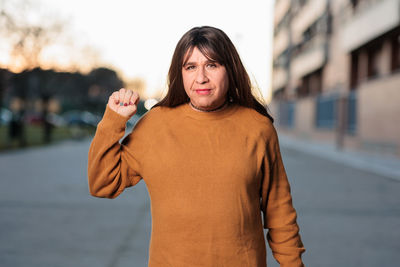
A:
370, 22
279, 78
281, 8
309, 61
313, 10
281, 42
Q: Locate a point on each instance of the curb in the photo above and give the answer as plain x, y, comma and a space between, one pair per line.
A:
386, 166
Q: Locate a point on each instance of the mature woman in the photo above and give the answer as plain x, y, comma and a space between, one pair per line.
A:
210, 157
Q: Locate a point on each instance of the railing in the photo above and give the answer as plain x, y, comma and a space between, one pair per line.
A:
352, 113
326, 112
385, 16
286, 113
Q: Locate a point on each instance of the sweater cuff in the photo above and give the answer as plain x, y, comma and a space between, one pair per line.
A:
113, 120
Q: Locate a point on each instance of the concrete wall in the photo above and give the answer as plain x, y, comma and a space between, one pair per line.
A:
305, 116
336, 75
379, 115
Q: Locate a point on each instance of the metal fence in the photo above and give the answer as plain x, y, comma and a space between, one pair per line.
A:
352, 112
326, 112
286, 113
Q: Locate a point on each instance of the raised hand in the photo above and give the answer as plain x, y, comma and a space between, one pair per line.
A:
124, 102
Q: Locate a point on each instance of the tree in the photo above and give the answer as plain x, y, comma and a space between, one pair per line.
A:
28, 31
102, 82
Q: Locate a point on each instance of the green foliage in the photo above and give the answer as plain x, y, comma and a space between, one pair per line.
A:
34, 136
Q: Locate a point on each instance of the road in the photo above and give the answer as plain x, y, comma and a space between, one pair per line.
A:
49, 219
347, 217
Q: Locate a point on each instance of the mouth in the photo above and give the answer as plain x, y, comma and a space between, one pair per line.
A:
203, 91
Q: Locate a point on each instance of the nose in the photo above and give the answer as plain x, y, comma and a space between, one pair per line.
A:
201, 76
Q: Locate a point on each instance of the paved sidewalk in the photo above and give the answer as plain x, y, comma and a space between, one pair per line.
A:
49, 219
381, 165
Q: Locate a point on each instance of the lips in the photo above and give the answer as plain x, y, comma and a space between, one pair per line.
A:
203, 91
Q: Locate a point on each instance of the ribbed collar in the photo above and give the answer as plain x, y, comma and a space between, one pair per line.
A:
187, 110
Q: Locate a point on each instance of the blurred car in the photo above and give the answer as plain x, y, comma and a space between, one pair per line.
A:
5, 116
81, 118
34, 119
56, 119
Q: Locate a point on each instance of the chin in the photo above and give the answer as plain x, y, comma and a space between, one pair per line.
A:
204, 105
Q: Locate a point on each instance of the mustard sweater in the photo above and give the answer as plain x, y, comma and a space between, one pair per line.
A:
215, 181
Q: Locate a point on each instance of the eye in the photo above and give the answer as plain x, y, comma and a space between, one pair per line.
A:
190, 67
211, 65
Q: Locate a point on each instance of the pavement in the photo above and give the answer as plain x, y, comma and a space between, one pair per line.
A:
49, 219
347, 203
382, 165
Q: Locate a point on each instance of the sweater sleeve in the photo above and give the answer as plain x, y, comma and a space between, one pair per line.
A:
279, 214
108, 170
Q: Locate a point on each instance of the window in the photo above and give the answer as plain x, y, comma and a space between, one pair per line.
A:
373, 53
396, 52
354, 70
354, 3
310, 84
297, 5
302, 2
284, 23
304, 88
279, 93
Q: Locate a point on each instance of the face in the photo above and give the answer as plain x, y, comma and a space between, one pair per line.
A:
205, 81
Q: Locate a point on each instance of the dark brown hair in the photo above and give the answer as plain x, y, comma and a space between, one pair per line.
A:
216, 46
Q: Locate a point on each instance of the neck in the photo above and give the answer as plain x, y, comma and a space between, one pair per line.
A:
208, 110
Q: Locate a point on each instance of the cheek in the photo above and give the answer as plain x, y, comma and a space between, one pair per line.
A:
224, 83
188, 79
186, 83
186, 86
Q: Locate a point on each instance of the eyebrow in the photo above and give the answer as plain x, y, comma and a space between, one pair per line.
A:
194, 63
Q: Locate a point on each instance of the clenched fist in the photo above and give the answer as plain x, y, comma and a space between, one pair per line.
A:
124, 102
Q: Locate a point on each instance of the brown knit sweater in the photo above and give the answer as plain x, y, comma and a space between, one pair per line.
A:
215, 181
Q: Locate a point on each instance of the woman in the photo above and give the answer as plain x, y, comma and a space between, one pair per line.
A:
210, 157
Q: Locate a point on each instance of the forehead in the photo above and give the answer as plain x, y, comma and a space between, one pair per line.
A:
194, 54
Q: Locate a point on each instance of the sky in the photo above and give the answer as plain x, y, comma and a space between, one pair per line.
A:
138, 37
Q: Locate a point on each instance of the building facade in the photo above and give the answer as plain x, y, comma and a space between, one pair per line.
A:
336, 72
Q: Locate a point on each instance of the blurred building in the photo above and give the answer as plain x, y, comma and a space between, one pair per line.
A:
336, 72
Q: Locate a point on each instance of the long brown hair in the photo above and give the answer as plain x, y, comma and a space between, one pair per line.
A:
215, 45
